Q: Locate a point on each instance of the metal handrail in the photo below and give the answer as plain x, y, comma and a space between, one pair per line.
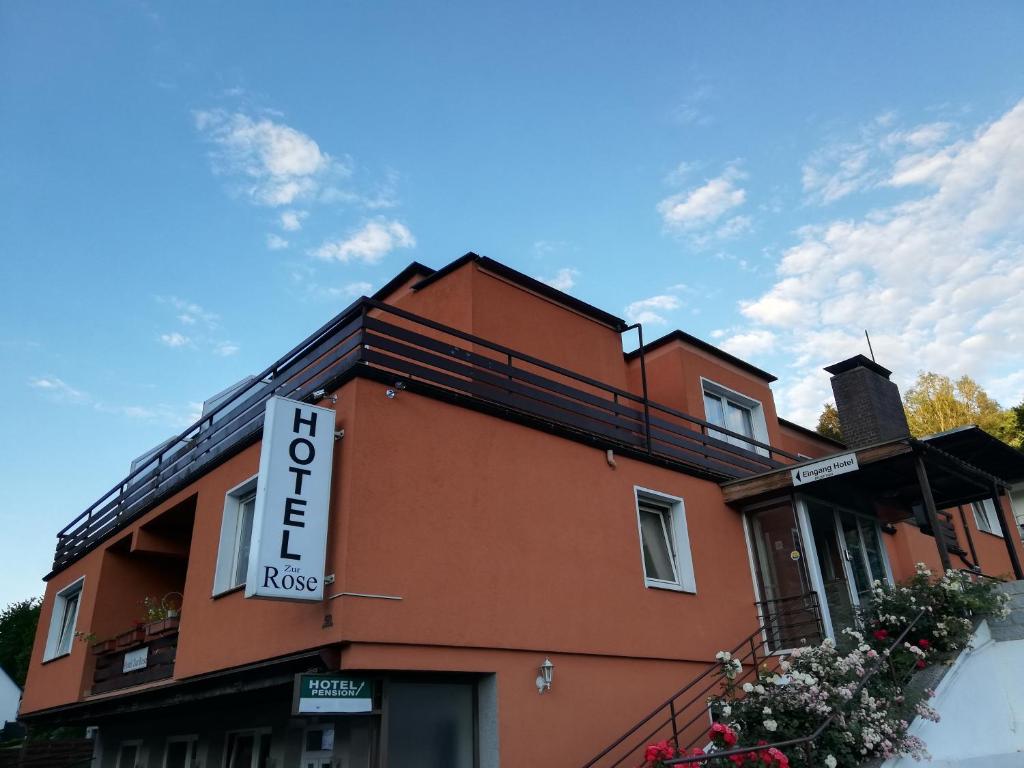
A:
806, 741
171, 467
746, 651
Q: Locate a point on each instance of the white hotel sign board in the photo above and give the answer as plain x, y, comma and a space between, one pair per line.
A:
293, 495
822, 470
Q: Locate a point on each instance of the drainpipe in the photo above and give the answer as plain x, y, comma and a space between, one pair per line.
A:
1005, 527
929, 507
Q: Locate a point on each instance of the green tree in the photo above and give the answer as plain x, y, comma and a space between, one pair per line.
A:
17, 633
828, 423
936, 403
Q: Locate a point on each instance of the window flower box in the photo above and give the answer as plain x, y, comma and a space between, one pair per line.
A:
104, 646
132, 637
162, 627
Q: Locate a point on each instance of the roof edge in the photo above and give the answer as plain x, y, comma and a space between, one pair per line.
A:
810, 432
529, 283
704, 346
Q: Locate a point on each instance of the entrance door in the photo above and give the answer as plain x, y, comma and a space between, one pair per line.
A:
782, 578
318, 746
849, 558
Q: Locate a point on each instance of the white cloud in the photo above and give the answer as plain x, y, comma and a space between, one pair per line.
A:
647, 310
705, 204
174, 339
275, 163
937, 279
60, 391
750, 344
276, 242
370, 244
563, 280
225, 349
56, 387
876, 157
291, 221
190, 313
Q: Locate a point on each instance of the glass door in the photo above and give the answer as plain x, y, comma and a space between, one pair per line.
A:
783, 584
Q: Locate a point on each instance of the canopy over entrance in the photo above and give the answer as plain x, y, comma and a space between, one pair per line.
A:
903, 479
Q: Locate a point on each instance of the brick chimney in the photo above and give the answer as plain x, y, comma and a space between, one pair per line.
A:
869, 405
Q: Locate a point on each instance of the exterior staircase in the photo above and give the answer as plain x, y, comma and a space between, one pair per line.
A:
980, 699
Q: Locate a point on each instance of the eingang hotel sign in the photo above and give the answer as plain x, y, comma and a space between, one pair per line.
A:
293, 494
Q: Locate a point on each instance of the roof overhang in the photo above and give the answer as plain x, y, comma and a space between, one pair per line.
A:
886, 473
978, 447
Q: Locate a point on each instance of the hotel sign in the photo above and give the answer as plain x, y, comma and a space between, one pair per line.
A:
316, 694
293, 494
822, 470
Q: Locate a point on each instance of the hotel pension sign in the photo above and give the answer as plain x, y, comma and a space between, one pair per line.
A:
293, 496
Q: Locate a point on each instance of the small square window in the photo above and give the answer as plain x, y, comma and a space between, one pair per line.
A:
63, 620
664, 542
235, 537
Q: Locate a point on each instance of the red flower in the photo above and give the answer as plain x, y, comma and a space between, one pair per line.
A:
663, 750
880, 634
923, 643
921, 664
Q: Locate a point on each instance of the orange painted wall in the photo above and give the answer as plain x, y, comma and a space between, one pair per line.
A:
674, 374
797, 442
593, 699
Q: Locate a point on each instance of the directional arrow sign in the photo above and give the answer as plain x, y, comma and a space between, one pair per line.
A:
822, 470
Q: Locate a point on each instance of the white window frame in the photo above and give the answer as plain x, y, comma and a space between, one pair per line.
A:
258, 735
54, 635
986, 508
137, 743
192, 755
755, 407
227, 550
682, 558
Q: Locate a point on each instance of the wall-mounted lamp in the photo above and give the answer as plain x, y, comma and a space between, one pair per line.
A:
547, 671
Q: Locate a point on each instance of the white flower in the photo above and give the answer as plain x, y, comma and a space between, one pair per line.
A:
726, 711
747, 687
766, 711
831, 762
770, 725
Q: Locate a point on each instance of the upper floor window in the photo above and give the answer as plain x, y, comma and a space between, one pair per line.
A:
235, 537
62, 621
664, 541
986, 517
735, 412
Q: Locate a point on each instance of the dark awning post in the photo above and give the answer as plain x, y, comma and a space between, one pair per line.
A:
929, 507
1008, 531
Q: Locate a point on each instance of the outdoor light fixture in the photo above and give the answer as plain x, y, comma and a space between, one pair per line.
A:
392, 392
547, 671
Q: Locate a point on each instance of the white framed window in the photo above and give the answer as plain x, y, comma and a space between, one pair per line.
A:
664, 541
63, 620
235, 537
129, 754
247, 749
986, 517
736, 412
181, 752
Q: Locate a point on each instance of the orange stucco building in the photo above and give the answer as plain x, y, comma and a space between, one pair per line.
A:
506, 487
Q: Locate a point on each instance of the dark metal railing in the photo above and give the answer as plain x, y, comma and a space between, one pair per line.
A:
383, 342
684, 717
883, 662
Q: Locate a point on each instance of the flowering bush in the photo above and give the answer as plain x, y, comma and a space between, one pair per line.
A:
721, 737
793, 699
948, 602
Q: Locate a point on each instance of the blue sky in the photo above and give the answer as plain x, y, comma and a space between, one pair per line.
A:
188, 189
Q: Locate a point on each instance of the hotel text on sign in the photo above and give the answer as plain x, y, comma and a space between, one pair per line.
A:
331, 693
293, 495
822, 470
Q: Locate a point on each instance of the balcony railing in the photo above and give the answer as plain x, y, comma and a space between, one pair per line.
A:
144, 654
383, 342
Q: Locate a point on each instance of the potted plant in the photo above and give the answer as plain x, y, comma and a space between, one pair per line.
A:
161, 618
